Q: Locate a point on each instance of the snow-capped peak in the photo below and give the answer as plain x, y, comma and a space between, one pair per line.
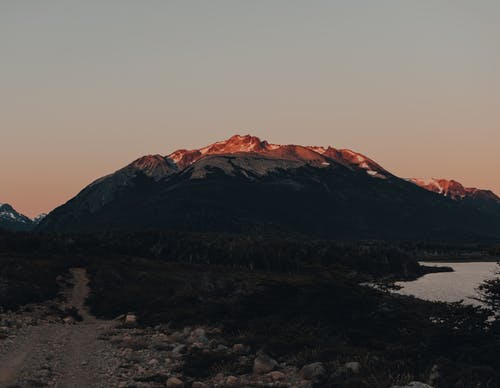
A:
8, 213
319, 150
313, 155
235, 144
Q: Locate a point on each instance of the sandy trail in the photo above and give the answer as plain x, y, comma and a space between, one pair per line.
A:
61, 355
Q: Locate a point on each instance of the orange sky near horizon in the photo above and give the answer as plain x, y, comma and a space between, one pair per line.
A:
87, 87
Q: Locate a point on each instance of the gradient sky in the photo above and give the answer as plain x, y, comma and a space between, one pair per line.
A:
88, 86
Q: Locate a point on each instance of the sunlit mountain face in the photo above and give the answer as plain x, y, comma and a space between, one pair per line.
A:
244, 184
455, 190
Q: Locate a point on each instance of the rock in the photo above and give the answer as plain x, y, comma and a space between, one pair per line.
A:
69, 320
178, 351
313, 371
176, 336
239, 348
174, 382
130, 320
199, 384
221, 348
349, 368
219, 377
153, 361
353, 367
277, 376
413, 384
264, 364
232, 381
198, 336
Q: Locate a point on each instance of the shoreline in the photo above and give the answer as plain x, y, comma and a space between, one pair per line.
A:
459, 260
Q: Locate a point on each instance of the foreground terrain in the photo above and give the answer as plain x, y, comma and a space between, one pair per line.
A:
215, 310
41, 346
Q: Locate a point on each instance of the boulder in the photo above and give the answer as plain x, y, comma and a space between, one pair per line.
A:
239, 348
174, 382
314, 371
176, 337
219, 377
198, 336
130, 320
277, 376
178, 351
232, 381
264, 364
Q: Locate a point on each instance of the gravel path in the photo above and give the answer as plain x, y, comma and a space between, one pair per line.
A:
61, 355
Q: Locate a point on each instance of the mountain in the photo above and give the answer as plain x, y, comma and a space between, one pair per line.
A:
247, 185
10, 219
485, 199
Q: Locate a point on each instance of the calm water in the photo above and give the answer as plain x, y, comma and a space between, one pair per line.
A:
450, 286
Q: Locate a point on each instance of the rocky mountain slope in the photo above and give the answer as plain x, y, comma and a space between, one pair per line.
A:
247, 185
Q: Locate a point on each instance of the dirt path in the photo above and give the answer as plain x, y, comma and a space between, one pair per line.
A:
61, 355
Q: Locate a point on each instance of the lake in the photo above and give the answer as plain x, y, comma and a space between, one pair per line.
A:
450, 286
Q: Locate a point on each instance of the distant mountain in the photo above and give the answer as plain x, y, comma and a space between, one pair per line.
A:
247, 185
454, 190
10, 219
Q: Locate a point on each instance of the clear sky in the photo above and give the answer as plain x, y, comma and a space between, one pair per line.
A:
88, 86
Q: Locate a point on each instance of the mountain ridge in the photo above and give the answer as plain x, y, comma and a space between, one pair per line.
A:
244, 184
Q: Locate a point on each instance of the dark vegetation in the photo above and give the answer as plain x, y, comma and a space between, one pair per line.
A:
299, 301
304, 318
489, 293
368, 260
28, 279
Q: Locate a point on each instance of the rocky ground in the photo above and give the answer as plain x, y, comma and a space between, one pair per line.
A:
60, 344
